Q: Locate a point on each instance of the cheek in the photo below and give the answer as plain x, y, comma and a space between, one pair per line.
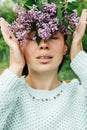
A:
59, 52
58, 49
28, 52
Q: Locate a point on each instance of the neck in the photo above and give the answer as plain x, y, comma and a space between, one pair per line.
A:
45, 81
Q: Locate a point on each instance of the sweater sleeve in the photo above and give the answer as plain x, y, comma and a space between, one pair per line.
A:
9, 90
79, 66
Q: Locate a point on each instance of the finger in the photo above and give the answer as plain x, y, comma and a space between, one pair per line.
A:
7, 33
83, 16
82, 22
6, 28
84, 13
81, 26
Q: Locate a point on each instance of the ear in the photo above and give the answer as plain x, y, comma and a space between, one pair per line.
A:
65, 47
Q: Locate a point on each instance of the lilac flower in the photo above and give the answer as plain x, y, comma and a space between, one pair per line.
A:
73, 19
44, 32
64, 30
53, 24
49, 8
45, 22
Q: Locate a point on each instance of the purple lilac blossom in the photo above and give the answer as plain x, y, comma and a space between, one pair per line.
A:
73, 19
46, 22
50, 8
45, 32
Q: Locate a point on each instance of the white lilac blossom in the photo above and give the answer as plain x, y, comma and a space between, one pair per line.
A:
45, 22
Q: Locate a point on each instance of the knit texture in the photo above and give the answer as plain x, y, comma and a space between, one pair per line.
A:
63, 108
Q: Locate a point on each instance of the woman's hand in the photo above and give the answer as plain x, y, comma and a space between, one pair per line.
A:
76, 46
17, 61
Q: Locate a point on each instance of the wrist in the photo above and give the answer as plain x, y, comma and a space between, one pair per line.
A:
76, 47
16, 70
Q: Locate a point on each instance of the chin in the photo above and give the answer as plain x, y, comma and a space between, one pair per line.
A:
42, 69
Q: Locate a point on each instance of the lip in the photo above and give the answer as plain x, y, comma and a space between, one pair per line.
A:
44, 59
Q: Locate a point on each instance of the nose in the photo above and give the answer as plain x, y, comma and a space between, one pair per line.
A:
43, 45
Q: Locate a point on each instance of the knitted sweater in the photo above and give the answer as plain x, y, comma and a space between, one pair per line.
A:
63, 108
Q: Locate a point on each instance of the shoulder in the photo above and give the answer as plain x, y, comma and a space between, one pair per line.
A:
72, 82
72, 85
76, 87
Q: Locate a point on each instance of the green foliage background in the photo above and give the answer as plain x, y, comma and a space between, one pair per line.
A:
6, 12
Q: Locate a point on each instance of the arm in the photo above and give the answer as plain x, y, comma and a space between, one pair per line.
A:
9, 80
10, 87
17, 60
79, 66
76, 46
78, 56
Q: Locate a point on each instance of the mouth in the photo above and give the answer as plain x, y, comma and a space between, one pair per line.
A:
44, 59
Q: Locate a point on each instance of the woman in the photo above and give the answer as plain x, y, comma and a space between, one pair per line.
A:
41, 101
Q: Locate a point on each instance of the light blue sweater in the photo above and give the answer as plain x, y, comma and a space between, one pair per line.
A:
63, 108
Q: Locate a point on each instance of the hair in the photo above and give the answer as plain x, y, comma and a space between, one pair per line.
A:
25, 69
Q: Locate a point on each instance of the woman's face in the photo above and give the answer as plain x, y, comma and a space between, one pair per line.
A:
46, 56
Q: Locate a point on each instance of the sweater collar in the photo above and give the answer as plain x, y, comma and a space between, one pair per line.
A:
39, 93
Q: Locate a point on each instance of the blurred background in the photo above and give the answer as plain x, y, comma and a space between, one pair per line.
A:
6, 12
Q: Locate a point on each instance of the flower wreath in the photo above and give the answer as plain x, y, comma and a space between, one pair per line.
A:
46, 17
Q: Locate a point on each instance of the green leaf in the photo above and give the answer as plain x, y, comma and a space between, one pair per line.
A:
28, 7
50, 1
58, 3
73, 5
43, 1
59, 16
71, 29
29, 3
62, 0
39, 3
69, 11
38, 39
59, 11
